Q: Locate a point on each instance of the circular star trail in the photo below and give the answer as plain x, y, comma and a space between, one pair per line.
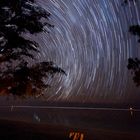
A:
91, 42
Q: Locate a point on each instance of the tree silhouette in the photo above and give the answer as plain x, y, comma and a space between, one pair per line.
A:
134, 63
17, 75
134, 66
135, 30
127, 1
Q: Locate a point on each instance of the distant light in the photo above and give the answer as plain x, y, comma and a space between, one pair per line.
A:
36, 117
130, 108
131, 111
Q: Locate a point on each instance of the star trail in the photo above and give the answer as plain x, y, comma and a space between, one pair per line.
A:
91, 42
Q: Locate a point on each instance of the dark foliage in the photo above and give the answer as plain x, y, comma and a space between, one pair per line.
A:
134, 66
135, 30
17, 75
127, 1
134, 63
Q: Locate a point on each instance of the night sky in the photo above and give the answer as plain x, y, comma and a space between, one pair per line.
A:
91, 42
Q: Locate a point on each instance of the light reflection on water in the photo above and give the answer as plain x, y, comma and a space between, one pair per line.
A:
126, 120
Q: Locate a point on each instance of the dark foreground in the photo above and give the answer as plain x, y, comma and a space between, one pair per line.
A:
60, 124
12, 130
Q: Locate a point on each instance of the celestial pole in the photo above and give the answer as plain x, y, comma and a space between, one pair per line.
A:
91, 42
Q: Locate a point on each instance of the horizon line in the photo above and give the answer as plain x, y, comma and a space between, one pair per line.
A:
70, 107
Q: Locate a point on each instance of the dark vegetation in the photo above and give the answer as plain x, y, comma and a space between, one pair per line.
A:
134, 63
127, 1
18, 76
